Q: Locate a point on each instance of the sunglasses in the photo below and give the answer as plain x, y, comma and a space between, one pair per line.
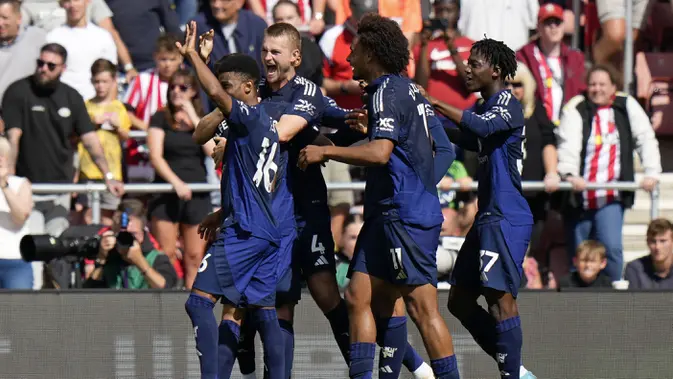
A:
182, 87
50, 65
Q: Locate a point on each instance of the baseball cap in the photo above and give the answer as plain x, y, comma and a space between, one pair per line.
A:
548, 11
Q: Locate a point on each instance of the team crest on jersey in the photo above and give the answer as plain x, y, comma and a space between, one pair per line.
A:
305, 106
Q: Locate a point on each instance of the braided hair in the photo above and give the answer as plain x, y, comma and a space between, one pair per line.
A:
497, 54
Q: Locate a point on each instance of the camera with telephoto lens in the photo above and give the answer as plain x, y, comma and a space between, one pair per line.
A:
44, 248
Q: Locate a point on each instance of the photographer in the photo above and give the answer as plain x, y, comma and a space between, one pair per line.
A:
141, 266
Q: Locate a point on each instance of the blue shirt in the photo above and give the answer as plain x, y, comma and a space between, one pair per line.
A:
495, 129
407, 183
253, 177
303, 98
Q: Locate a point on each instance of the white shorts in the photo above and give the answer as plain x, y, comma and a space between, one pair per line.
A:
616, 9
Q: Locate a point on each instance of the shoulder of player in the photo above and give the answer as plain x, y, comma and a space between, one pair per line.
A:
305, 86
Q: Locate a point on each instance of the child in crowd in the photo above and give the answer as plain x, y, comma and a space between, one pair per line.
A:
112, 127
589, 261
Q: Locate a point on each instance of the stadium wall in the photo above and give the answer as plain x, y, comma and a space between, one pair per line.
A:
130, 335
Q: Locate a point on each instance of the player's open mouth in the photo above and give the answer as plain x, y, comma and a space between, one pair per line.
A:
271, 69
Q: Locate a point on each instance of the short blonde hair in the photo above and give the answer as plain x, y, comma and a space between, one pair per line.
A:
590, 249
5, 147
525, 77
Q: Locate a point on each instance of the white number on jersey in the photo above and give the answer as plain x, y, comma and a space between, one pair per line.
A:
485, 268
421, 112
204, 264
519, 162
266, 167
317, 247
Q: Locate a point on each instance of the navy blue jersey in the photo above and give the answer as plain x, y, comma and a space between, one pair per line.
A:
399, 113
253, 174
495, 129
303, 98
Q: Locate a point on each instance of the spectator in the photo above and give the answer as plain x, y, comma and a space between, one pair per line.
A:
311, 55
311, 13
653, 272
338, 80
540, 156
590, 261
141, 266
596, 138
236, 30
558, 70
178, 160
147, 94
84, 42
351, 230
186, 10
441, 58
112, 127
20, 46
140, 24
507, 21
16, 204
458, 208
407, 13
48, 14
612, 16
42, 114
536, 278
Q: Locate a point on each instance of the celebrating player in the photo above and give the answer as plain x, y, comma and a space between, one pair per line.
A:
490, 261
395, 253
240, 267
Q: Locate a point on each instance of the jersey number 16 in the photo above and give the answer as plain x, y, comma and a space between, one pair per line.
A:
266, 167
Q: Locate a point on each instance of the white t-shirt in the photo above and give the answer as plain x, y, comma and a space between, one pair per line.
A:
84, 46
10, 233
509, 21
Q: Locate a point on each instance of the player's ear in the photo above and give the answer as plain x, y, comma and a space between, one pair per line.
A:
496, 72
248, 86
296, 58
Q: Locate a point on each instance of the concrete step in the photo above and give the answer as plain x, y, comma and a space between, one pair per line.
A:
632, 255
637, 216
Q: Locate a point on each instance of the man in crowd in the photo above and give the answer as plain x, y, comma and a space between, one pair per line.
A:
84, 42
20, 46
138, 266
42, 114
441, 57
654, 271
236, 30
558, 70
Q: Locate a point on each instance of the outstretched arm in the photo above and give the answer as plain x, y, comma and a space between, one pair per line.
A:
207, 79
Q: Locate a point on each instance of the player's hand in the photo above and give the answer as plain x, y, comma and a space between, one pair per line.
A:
357, 120
649, 183
210, 225
189, 46
183, 191
465, 183
115, 187
551, 182
578, 183
311, 154
206, 45
218, 151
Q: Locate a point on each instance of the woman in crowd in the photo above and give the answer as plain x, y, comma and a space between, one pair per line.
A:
178, 160
16, 203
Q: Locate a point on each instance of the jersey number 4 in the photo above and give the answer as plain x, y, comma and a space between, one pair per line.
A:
266, 167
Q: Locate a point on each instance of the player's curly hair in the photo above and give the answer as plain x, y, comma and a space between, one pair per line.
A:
238, 63
385, 40
497, 54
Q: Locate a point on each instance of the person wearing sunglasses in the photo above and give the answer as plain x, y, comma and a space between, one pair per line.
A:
558, 69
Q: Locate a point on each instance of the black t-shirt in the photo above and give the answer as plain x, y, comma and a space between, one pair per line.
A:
184, 156
50, 120
574, 281
311, 61
539, 134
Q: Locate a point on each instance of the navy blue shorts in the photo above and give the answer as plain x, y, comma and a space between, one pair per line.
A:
397, 253
314, 249
288, 290
241, 268
492, 256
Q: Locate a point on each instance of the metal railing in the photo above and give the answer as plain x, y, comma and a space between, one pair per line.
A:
96, 188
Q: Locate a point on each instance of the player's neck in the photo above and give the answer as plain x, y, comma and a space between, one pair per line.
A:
487, 93
275, 86
550, 49
375, 74
77, 23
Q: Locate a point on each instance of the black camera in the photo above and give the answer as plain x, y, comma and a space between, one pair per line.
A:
79, 242
436, 24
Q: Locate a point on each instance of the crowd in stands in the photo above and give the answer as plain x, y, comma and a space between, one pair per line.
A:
78, 76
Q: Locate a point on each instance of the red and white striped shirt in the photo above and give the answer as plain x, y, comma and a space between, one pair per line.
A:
147, 94
602, 160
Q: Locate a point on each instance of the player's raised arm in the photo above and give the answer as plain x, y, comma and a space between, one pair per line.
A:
444, 152
208, 126
207, 79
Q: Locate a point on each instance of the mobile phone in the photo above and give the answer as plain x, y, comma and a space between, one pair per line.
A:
440, 24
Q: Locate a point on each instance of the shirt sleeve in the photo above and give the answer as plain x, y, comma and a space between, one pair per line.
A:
222, 129
163, 266
307, 101
124, 119
500, 117
385, 120
569, 138
109, 49
645, 141
99, 11
334, 116
242, 117
444, 153
12, 107
83, 122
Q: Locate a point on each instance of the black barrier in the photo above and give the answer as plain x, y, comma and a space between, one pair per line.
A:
142, 335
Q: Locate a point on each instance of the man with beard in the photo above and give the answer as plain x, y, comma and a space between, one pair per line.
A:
42, 115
